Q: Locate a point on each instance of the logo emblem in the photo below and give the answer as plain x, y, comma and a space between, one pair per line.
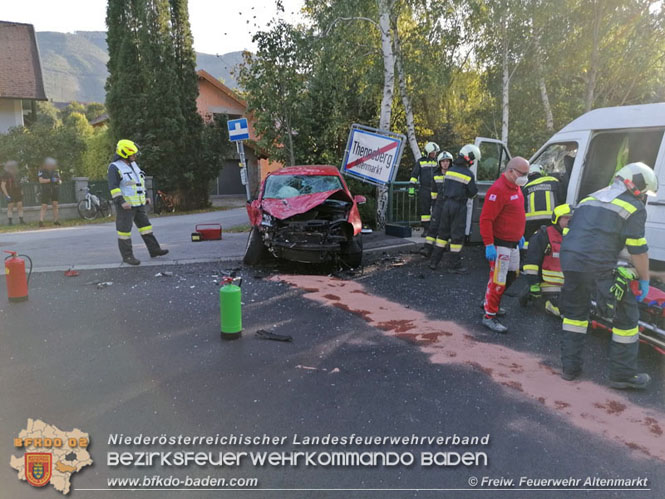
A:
492, 197
38, 468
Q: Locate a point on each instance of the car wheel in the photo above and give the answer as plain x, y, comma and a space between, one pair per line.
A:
352, 252
255, 250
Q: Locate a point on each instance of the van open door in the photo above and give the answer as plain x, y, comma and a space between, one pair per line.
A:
494, 155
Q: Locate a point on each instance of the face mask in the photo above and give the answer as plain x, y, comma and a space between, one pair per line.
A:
522, 181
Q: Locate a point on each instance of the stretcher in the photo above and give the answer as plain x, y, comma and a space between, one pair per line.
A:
652, 317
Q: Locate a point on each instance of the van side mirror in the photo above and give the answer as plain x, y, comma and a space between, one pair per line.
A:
360, 199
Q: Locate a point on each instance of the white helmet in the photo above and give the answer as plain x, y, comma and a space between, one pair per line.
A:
639, 179
431, 147
536, 168
444, 155
470, 153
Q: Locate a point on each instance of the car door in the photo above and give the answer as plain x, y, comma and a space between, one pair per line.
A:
494, 155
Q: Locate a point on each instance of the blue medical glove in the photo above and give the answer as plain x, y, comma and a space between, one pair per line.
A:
490, 252
521, 243
644, 290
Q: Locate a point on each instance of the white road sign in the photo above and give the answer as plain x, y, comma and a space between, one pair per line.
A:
372, 155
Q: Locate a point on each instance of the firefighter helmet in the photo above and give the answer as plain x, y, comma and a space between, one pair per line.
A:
431, 147
470, 153
639, 179
536, 168
126, 148
563, 210
444, 155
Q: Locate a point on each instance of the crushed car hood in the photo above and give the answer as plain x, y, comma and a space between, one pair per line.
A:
285, 208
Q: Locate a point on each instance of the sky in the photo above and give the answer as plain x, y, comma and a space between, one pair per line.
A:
219, 26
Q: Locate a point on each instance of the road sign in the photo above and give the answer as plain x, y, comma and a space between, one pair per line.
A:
372, 155
238, 129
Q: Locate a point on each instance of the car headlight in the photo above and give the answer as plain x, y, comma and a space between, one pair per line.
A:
266, 220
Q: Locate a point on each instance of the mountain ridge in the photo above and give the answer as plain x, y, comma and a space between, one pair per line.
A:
74, 65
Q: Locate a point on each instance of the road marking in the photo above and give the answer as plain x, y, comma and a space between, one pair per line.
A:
585, 404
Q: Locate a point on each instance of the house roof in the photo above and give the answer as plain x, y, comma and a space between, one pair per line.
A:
20, 69
202, 74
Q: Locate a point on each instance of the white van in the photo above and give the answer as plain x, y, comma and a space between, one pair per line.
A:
586, 154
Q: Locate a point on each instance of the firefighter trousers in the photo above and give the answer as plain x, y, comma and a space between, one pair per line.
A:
579, 288
123, 225
503, 272
434, 222
425, 205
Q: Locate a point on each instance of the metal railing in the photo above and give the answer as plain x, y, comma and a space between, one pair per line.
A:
31, 194
402, 209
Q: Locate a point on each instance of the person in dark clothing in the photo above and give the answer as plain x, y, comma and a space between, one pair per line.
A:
459, 186
445, 159
127, 186
542, 265
604, 223
541, 195
49, 190
11, 189
424, 170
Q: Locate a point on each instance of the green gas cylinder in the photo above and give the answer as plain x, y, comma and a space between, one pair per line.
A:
230, 311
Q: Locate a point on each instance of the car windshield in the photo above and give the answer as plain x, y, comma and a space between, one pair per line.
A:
290, 186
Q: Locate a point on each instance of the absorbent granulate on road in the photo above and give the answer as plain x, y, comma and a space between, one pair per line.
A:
585, 404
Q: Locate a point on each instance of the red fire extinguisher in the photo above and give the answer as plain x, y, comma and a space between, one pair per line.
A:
17, 282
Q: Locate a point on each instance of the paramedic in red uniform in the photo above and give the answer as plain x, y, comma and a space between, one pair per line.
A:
502, 222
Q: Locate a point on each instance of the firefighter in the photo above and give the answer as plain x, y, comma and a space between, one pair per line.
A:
540, 197
604, 223
424, 169
458, 188
444, 159
127, 186
542, 266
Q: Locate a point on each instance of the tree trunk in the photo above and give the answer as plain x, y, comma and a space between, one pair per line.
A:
505, 106
406, 100
593, 64
549, 119
385, 7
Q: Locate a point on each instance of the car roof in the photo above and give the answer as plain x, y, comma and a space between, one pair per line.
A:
308, 170
607, 118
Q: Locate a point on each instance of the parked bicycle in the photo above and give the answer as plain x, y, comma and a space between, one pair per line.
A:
93, 206
163, 203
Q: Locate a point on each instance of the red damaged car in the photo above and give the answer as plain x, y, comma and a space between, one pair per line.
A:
305, 214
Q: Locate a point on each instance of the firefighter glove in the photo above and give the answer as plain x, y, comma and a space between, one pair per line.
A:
534, 291
412, 191
490, 252
644, 289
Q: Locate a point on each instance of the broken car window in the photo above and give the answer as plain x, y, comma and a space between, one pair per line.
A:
289, 186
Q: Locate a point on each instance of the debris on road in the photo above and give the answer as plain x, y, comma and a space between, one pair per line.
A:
106, 284
71, 273
164, 274
267, 335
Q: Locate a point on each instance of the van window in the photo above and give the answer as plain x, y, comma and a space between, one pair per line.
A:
610, 151
557, 159
493, 159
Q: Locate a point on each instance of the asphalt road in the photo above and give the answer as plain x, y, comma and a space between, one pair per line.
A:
95, 245
396, 351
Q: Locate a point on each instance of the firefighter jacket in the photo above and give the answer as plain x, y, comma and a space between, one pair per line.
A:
425, 169
437, 184
602, 225
460, 183
126, 183
542, 262
540, 197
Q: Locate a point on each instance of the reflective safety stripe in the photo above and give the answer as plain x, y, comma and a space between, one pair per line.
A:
455, 248
532, 203
413, 180
145, 230
531, 269
441, 243
617, 208
538, 215
565, 231
124, 235
434, 195
541, 180
439, 178
458, 177
575, 326
636, 242
547, 288
429, 240
625, 335
430, 163
625, 205
525, 246
425, 218
116, 193
553, 276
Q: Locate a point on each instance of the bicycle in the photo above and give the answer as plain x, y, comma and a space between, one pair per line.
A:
163, 202
92, 206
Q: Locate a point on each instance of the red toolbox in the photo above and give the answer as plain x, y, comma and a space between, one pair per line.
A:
207, 232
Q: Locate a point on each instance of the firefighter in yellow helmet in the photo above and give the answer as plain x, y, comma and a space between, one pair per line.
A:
127, 185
